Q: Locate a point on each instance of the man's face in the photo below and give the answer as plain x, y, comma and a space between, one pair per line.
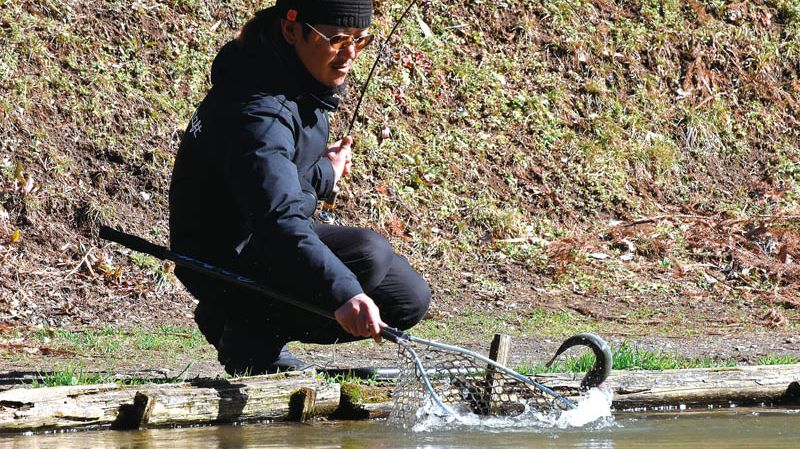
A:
326, 64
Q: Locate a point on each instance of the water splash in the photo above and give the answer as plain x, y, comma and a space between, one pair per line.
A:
593, 407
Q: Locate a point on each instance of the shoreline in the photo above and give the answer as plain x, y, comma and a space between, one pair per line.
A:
304, 396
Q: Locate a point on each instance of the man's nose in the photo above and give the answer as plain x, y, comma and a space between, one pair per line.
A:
349, 50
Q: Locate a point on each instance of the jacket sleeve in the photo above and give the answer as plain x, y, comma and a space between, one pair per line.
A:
323, 178
265, 183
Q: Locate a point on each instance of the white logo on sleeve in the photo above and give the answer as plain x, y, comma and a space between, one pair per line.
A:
196, 126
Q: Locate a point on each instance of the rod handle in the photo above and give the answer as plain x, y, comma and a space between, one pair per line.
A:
131, 241
392, 334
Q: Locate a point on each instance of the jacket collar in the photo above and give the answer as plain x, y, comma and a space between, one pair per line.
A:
297, 80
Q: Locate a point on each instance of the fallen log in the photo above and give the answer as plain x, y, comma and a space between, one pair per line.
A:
743, 385
301, 396
155, 405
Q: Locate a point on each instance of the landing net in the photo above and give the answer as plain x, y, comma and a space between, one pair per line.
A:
461, 384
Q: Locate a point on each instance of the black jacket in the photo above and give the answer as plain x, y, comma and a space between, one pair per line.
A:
250, 170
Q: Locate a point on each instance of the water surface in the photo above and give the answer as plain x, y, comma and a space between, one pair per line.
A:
734, 428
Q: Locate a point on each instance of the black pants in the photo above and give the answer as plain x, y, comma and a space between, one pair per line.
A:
249, 330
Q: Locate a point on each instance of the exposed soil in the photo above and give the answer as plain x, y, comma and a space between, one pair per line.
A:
668, 268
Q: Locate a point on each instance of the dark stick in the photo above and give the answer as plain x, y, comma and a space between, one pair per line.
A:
375, 64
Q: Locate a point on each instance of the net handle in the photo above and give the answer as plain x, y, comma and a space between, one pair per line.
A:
394, 335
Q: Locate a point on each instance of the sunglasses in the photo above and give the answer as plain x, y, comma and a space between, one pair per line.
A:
340, 41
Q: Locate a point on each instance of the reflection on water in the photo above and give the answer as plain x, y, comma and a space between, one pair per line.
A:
737, 428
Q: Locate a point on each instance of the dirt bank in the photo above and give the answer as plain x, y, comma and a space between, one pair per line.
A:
550, 167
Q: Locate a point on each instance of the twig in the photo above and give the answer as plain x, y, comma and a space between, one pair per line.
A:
701, 217
706, 100
769, 217
84, 260
664, 217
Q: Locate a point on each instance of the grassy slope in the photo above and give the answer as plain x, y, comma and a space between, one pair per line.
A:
516, 132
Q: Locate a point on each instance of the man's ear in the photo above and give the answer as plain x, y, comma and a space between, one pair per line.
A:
290, 31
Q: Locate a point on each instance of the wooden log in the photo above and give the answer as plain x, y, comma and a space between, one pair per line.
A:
268, 397
301, 404
695, 387
364, 402
499, 351
199, 402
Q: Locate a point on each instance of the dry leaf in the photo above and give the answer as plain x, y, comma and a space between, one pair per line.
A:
426, 30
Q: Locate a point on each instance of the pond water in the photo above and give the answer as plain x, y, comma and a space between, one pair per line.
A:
729, 428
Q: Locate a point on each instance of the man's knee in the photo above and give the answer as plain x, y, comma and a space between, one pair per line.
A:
421, 301
414, 305
376, 248
373, 259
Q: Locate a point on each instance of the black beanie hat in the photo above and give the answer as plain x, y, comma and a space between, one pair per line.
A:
341, 13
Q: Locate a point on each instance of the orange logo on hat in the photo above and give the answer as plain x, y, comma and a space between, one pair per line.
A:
291, 15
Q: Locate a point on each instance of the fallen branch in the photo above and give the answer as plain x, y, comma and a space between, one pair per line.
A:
84, 260
666, 217
706, 218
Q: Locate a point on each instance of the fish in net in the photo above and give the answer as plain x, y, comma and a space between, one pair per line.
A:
449, 380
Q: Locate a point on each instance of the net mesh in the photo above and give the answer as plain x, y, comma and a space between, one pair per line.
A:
464, 383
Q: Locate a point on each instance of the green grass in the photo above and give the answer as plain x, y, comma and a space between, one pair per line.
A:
75, 373
115, 342
347, 379
778, 360
629, 357
246, 373
71, 375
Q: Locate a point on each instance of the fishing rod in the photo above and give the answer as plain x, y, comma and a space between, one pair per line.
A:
375, 65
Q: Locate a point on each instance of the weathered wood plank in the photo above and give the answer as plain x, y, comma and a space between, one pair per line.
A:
201, 402
700, 386
500, 352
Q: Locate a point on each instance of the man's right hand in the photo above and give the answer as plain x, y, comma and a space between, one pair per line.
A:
360, 316
340, 154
